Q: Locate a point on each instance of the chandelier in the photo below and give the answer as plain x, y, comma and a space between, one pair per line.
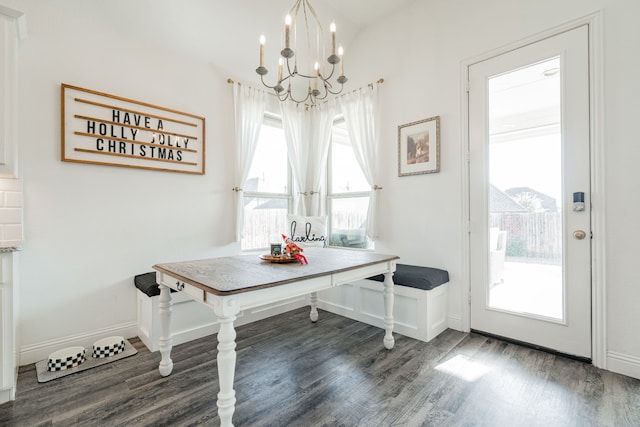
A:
295, 65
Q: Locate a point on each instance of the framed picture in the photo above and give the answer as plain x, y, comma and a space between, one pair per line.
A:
419, 147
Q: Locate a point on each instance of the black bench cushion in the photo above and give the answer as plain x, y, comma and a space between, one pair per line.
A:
413, 276
147, 284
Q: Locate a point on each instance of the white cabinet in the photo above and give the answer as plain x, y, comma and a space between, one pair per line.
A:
8, 327
12, 29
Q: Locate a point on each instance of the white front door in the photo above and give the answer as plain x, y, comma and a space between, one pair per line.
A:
530, 244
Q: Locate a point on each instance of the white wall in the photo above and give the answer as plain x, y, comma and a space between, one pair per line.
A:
92, 228
89, 229
419, 52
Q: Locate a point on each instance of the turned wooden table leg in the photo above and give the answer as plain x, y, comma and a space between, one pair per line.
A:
313, 300
389, 342
165, 341
226, 370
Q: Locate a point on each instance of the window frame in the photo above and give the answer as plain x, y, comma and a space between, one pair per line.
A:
274, 120
331, 196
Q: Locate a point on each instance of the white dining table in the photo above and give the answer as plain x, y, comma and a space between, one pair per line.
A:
231, 284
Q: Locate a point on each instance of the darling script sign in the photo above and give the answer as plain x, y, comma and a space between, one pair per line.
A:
109, 130
308, 231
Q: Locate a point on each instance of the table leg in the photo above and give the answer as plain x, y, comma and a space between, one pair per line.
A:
313, 300
389, 342
226, 370
165, 342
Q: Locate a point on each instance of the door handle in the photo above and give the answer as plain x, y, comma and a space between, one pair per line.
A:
579, 234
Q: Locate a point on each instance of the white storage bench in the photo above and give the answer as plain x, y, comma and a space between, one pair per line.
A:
190, 319
420, 308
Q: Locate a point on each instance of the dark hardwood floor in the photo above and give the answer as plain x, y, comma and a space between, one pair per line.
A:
336, 372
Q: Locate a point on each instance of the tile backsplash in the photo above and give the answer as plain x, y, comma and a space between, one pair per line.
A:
11, 229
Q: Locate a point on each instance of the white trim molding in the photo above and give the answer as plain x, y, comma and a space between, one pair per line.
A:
596, 107
623, 364
598, 253
21, 20
12, 30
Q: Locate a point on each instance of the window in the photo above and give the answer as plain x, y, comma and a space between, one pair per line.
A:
267, 191
348, 195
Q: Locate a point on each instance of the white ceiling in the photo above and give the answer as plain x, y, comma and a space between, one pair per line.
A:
364, 12
226, 32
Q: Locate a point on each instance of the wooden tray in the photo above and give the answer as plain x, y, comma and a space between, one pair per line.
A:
277, 259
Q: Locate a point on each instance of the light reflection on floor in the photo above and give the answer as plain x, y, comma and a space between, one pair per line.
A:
464, 368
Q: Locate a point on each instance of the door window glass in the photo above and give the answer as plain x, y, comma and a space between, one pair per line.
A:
525, 195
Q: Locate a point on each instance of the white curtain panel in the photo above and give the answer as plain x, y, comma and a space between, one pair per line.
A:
295, 122
321, 117
249, 106
360, 110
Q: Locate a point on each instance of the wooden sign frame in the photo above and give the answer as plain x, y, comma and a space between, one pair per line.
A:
103, 129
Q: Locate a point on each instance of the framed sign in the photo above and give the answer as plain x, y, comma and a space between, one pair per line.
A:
419, 147
103, 129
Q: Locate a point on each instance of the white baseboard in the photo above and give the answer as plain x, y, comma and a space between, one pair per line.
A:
36, 352
7, 395
455, 323
623, 364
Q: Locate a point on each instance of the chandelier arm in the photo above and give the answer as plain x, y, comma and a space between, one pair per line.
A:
306, 76
335, 93
313, 12
298, 74
282, 99
306, 26
333, 69
291, 97
318, 97
294, 10
295, 70
300, 101
328, 89
286, 78
319, 29
265, 84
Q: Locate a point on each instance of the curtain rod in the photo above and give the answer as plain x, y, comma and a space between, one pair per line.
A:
379, 81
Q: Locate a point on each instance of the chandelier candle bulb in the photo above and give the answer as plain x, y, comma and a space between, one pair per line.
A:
340, 53
287, 27
315, 81
332, 28
262, 42
280, 69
